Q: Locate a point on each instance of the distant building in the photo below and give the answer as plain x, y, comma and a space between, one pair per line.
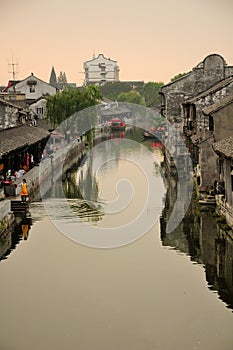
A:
53, 78
18, 99
29, 93
60, 82
100, 70
38, 108
32, 87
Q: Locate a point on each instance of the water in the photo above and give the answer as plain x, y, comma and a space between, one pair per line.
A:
161, 292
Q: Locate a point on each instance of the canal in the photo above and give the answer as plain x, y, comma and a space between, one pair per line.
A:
154, 290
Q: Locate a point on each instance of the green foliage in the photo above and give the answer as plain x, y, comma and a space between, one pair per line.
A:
131, 97
64, 104
112, 90
178, 76
150, 92
158, 120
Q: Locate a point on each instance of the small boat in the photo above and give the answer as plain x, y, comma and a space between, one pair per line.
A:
117, 124
157, 133
149, 135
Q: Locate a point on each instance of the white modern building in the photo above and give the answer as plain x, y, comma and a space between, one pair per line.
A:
100, 70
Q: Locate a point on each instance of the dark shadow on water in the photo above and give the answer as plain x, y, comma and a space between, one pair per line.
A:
11, 238
201, 237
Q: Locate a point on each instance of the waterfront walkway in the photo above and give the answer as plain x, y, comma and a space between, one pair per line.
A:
64, 157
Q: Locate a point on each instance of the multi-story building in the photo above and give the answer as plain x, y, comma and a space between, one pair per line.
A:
100, 70
182, 104
209, 72
224, 150
16, 98
32, 87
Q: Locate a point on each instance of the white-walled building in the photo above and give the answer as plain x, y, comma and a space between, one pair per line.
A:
38, 107
100, 70
33, 88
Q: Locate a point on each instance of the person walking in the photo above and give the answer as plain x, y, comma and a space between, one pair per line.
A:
24, 191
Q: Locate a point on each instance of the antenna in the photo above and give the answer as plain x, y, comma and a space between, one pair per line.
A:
13, 69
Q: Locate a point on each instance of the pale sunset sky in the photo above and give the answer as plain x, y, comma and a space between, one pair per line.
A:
151, 40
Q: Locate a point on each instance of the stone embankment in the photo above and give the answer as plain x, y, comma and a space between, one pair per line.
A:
41, 175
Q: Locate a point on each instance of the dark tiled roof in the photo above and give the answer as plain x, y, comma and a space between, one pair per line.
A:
218, 105
44, 124
224, 147
221, 84
14, 138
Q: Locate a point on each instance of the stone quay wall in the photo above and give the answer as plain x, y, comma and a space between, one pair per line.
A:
39, 175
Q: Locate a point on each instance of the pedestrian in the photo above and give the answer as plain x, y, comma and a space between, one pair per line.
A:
32, 161
24, 191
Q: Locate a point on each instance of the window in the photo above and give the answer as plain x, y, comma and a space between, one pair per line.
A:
211, 123
232, 178
39, 111
32, 88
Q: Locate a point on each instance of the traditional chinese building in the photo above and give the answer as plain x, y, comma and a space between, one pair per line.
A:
32, 87
207, 118
100, 70
209, 72
224, 150
20, 141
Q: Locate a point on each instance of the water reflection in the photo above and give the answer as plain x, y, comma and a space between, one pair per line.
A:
84, 184
201, 237
141, 296
25, 227
79, 181
107, 182
13, 235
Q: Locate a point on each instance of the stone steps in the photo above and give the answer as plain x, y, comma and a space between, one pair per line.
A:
19, 207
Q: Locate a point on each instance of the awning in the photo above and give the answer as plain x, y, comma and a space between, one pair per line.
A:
21, 136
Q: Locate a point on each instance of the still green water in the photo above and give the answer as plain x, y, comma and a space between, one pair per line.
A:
160, 292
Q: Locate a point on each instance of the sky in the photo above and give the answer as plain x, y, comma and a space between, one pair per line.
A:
151, 40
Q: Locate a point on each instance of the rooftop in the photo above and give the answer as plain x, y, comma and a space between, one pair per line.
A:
211, 90
224, 147
218, 105
20, 136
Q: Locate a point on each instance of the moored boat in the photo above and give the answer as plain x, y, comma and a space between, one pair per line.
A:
149, 135
117, 124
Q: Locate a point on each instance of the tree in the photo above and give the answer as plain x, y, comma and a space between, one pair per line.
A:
112, 90
131, 97
150, 92
66, 103
177, 76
